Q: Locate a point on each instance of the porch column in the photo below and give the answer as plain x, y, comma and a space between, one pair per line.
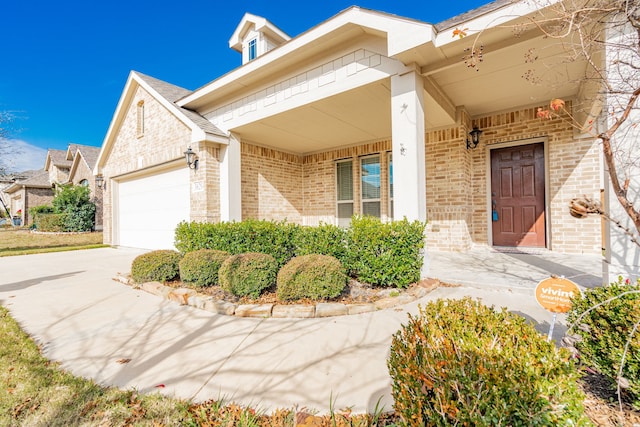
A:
407, 133
230, 181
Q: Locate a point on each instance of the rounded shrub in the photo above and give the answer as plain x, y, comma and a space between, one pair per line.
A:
462, 363
605, 318
311, 276
156, 266
248, 274
201, 267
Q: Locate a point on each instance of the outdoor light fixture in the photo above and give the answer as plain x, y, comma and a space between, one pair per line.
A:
475, 138
99, 181
191, 158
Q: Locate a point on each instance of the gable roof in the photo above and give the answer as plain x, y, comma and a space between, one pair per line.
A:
83, 153
262, 25
56, 158
166, 94
40, 179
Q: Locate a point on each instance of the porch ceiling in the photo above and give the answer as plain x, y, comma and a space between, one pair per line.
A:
359, 115
364, 114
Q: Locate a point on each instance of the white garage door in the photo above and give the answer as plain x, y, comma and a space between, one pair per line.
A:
149, 209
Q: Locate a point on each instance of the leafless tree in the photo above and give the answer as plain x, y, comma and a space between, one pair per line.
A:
6, 119
605, 36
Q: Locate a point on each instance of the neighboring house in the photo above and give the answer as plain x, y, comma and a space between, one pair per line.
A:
6, 181
34, 188
83, 159
26, 193
366, 113
57, 165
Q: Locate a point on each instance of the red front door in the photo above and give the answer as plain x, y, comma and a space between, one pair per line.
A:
517, 196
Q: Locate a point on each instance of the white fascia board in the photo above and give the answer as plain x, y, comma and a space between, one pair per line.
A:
489, 20
198, 135
402, 34
116, 120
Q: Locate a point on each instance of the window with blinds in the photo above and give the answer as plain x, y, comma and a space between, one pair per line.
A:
370, 185
344, 187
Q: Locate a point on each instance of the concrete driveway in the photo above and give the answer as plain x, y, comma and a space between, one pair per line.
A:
82, 318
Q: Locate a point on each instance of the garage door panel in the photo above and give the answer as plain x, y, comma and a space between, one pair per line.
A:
149, 208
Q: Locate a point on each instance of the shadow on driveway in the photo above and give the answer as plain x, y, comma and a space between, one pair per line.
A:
18, 286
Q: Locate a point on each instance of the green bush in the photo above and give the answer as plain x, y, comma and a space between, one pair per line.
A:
325, 239
50, 222
382, 254
311, 276
385, 254
605, 327
156, 266
201, 267
248, 274
268, 237
74, 201
462, 363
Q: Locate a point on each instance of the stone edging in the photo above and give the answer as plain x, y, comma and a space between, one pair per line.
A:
185, 296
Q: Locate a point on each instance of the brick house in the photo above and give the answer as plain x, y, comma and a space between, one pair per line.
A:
33, 188
366, 113
83, 159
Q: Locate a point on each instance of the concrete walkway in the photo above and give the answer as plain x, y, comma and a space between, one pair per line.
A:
82, 318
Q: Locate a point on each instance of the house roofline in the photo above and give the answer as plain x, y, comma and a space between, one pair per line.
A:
133, 82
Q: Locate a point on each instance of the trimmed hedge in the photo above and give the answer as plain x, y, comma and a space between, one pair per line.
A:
273, 238
311, 276
462, 363
325, 239
50, 222
385, 254
248, 274
382, 254
156, 266
201, 267
606, 327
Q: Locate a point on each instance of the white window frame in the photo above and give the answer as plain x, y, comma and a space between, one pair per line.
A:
360, 176
252, 45
350, 201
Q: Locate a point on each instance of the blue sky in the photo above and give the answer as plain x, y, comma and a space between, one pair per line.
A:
65, 63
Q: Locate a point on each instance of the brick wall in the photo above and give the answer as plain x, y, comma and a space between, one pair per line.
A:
81, 173
35, 197
574, 170
271, 184
320, 181
165, 138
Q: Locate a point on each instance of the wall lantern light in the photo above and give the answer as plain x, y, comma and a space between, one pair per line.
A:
475, 138
190, 156
100, 181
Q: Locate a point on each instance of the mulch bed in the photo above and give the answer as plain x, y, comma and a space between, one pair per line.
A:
601, 404
354, 293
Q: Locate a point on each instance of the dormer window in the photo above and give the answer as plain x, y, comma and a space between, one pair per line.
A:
255, 36
252, 49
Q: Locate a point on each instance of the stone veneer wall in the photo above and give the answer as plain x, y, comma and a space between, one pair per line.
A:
165, 139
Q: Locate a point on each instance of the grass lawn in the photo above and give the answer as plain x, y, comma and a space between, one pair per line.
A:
22, 242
